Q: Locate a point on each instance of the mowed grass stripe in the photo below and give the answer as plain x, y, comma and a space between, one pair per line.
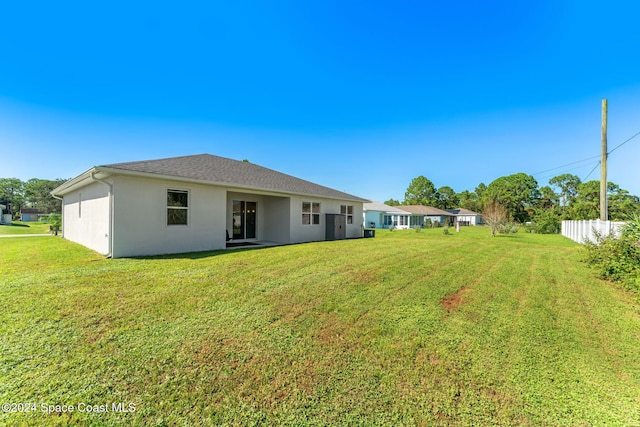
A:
350, 332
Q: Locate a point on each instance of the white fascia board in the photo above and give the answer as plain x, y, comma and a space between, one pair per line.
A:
78, 182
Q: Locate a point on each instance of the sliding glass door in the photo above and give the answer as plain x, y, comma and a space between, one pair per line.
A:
244, 219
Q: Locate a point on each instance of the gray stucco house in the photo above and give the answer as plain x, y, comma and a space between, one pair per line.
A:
198, 203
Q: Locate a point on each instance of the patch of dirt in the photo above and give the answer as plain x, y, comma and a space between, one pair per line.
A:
453, 301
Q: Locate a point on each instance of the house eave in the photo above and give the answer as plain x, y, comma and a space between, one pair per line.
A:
102, 172
79, 181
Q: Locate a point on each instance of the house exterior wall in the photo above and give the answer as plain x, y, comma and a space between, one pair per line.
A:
373, 217
85, 216
471, 219
316, 232
273, 215
140, 218
136, 215
439, 218
277, 216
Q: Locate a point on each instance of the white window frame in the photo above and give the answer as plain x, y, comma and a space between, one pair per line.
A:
311, 214
348, 211
186, 208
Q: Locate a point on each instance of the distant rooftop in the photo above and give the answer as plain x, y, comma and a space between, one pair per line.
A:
425, 210
381, 207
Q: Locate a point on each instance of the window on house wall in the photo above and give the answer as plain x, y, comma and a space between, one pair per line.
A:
310, 213
177, 207
79, 205
348, 211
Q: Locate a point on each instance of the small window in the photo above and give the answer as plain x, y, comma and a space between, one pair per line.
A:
79, 205
310, 213
348, 211
177, 207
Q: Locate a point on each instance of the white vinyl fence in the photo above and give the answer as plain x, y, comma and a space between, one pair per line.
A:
581, 231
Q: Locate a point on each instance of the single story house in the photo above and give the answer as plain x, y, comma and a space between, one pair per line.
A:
30, 214
420, 214
466, 217
199, 203
379, 215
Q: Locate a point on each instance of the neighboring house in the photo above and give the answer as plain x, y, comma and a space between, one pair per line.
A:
2, 208
419, 215
197, 203
379, 215
30, 214
466, 217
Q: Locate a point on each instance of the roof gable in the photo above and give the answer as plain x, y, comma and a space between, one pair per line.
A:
220, 170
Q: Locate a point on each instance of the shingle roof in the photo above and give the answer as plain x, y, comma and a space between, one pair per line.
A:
221, 170
462, 211
30, 211
377, 206
425, 210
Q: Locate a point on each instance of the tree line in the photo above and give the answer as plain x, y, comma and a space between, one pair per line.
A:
34, 193
566, 197
523, 200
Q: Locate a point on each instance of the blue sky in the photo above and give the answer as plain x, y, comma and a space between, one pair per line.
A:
361, 96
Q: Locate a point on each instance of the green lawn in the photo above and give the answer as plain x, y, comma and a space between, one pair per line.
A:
329, 333
19, 227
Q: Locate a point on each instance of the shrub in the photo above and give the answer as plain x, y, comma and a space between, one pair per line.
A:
616, 259
55, 223
507, 228
496, 216
632, 228
546, 222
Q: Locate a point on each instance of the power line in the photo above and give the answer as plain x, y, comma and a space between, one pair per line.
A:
585, 178
569, 170
568, 164
620, 145
587, 159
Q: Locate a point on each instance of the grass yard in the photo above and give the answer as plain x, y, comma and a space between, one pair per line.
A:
19, 227
403, 329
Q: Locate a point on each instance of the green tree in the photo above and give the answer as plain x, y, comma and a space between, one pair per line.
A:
392, 202
568, 185
586, 203
548, 199
37, 193
446, 198
12, 193
518, 193
469, 200
622, 205
421, 191
479, 190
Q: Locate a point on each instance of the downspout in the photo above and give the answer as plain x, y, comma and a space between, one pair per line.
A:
61, 211
110, 186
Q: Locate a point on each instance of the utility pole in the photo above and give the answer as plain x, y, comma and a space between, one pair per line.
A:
603, 166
